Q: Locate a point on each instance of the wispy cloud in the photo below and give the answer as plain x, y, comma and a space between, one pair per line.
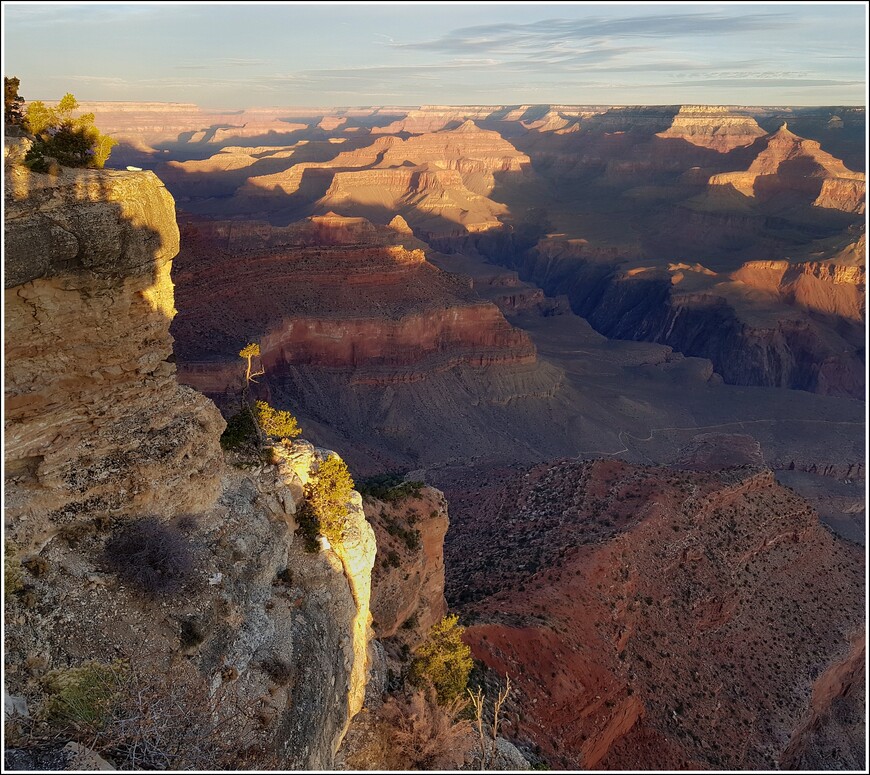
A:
220, 62
42, 15
564, 35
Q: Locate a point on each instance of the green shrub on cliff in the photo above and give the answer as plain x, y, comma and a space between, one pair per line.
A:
240, 430
325, 508
443, 661
72, 141
276, 422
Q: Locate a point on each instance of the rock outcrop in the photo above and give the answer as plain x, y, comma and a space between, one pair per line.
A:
826, 287
95, 421
257, 635
408, 579
713, 127
792, 165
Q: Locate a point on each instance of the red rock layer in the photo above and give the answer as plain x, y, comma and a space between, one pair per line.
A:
353, 302
656, 619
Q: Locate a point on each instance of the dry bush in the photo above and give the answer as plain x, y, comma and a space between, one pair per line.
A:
415, 733
153, 557
149, 719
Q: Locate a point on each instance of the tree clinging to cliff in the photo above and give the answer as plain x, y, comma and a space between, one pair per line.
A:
12, 102
443, 660
249, 352
72, 141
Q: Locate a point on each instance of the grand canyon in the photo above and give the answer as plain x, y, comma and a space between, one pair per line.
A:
610, 362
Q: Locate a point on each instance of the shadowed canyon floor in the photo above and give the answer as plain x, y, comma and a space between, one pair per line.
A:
667, 302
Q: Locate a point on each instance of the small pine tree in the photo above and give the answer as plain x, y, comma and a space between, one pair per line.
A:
329, 496
276, 422
249, 352
443, 661
12, 102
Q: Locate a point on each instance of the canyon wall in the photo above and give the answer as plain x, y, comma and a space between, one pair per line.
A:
94, 416
751, 340
259, 636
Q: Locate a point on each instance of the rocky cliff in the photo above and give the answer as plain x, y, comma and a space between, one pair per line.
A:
265, 645
408, 580
94, 415
791, 165
752, 338
713, 127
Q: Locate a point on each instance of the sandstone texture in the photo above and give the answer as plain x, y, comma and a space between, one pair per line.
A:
265, 645
95, 422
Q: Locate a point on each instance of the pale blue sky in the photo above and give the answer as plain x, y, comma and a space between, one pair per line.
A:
233, 56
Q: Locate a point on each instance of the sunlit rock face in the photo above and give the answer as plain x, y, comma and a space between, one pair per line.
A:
792, 165
95, 421
713, 127
100, 436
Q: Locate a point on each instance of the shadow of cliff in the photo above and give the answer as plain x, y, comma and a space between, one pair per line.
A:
71, 234
37, 247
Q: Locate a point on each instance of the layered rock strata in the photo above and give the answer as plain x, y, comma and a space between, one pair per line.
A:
792, 165
752, 338
713, 127
94, 416
264, 639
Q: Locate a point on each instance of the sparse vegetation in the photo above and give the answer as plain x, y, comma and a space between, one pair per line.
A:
326, 499
409, 535
154, 558
71, 141
82, 696
389, 487
443, 661
276, 422
141, 717
308, 528
414, 733
13, 578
